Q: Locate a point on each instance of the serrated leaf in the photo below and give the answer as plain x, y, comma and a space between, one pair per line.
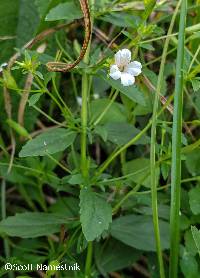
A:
95, 214
140, 168
109, 256
137, 231
34, 99
32, 224
68, 11
189, 243
194, 200
122, 133
189, 265
196, 236
28, 21
132, 92
195, 84
49, 142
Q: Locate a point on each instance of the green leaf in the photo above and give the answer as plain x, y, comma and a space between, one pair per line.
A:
189, 243
192, 162
109, 257
132, 92
196, 236
95, 214
147, 46
195, 84
115, 113
137, 231
32, 224
194, 200
121, 19
66, 206
52, 268
34, 99
18, 128
69, 11
189, 265
42, 6
8, 22
49, 142
140, 168
9, 80
149, 6
28, 21
151, 75
121, 133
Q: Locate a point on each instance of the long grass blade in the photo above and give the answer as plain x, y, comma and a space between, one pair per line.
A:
176, 147
153, 147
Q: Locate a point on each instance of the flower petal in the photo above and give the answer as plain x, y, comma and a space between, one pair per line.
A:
133, 68
127, 79
122, 57
115, 72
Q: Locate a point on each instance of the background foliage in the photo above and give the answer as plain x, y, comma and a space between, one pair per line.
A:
51, 212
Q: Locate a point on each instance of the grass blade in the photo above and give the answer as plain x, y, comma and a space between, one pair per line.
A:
153, 147
176, 147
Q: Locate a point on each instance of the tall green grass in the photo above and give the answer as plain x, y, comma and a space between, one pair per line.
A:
153, 146
176, 147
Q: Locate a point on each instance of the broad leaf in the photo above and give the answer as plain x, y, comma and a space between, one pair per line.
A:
189, 265
49, 142
69, 11
196, 236
139, 169
109, 257
8, 22
121, 133
96, 214
195, 84
32, 224
192, 162
194, 200
42, 6
34, 99
28, 21
115, 113
137, 231
132, 92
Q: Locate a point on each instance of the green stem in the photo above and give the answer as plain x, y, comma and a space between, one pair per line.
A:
60, 98
153, 149
176, 148
88, 260
130, 193
106, 108
47, 116
58, 163
3, 215
116, 153
84, 119
50, 94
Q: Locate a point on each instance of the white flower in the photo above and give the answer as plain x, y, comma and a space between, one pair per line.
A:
79, 100
3, 66
124, 68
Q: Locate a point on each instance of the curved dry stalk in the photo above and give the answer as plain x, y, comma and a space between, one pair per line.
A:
64, 67
7, 98
24, 99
